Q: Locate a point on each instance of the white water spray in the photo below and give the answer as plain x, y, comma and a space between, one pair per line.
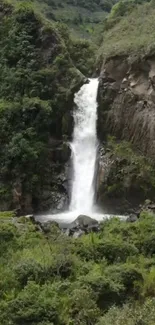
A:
84, 153
84, 148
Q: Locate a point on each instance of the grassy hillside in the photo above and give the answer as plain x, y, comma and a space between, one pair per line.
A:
82, 17
132, 34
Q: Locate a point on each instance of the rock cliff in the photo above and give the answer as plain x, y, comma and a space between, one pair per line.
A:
127, 111
126, 97
127, 101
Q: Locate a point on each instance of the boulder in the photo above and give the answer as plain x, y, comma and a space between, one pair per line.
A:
74, 232
27, 217
132, 218
49, 226
148, 206
78, 233
83, 223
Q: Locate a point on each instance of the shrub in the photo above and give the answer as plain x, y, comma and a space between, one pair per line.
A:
28, 270
34, 304
115, 250
83, 309
130, 315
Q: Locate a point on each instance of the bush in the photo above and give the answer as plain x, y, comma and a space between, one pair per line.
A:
115, 251
29, 270
34, 304
114, 284
8, 233
83, 309
106, 290
130, 315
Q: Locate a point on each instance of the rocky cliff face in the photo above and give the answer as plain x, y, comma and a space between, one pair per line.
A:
127, 101
127, 111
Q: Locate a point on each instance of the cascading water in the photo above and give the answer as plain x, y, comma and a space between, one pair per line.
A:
84, 148
84, 153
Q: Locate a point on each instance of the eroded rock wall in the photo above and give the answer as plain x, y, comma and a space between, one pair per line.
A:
126, 111
127, 102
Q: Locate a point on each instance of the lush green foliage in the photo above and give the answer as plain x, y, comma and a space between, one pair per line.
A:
130, 171
37, 82
82, 16
129, 29
131, 315
82, 52
49, 278
124, 7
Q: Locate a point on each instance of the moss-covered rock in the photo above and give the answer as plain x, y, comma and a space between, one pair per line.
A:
127, 180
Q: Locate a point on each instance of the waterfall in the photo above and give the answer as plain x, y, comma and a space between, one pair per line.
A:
84, 148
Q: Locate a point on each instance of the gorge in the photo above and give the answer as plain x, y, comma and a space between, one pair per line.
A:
77, 145
38, 124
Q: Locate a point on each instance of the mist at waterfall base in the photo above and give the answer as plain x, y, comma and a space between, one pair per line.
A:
84, 147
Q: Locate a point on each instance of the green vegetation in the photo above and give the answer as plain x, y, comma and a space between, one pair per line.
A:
82, 17
129, 29
130, 315
130, 172
37, 82
124, 7
81, 51
49, 278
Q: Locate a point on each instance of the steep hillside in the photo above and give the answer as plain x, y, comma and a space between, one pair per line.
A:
82, 17
132, 34
127, 103
37, 82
